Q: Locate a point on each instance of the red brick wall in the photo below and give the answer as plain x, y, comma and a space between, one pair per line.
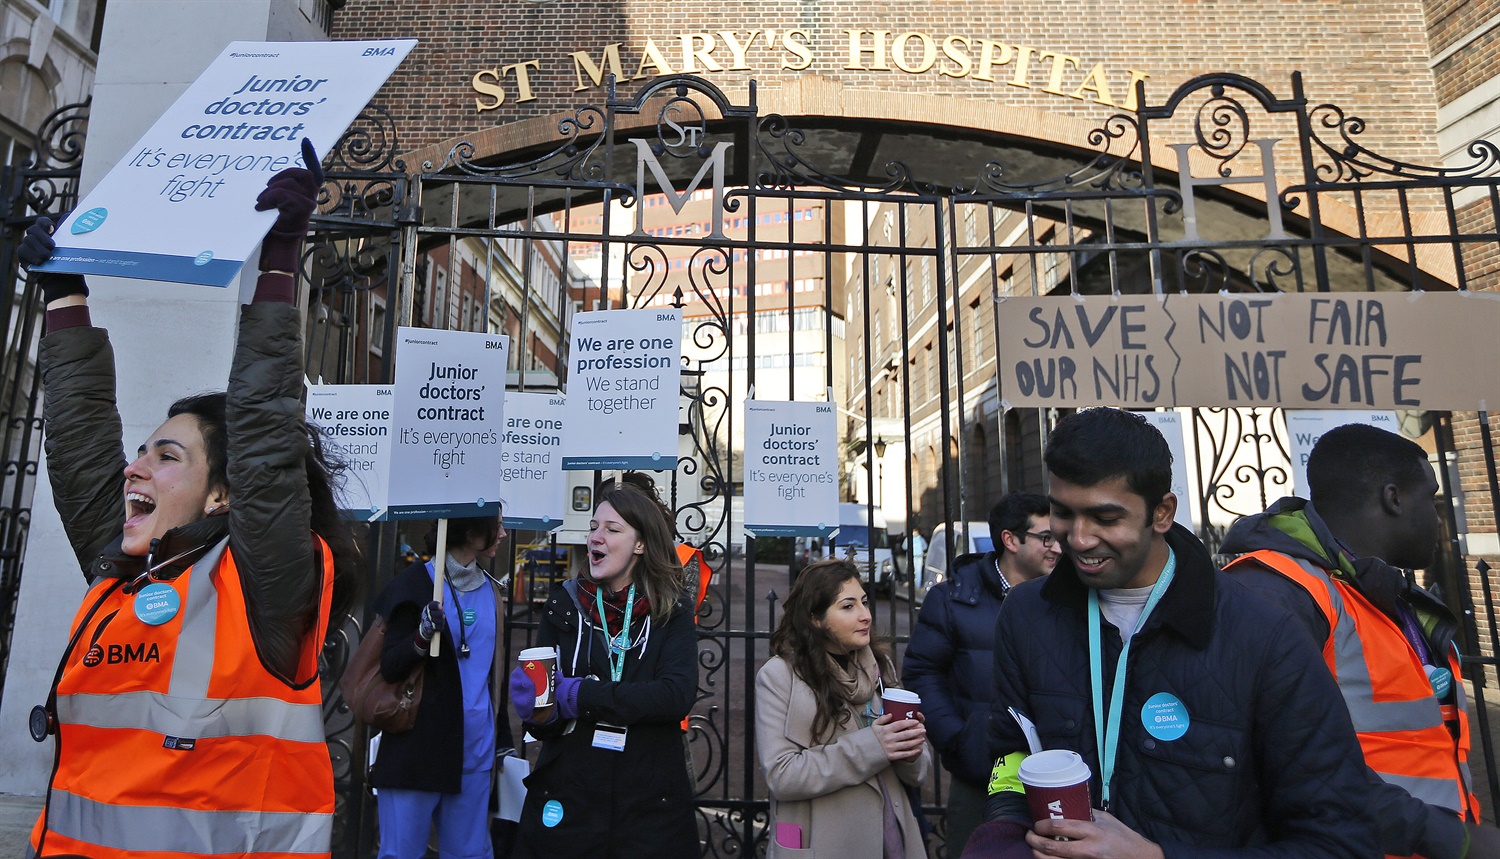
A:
1369, 57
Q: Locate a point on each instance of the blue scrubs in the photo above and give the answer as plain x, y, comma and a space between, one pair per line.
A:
407, 816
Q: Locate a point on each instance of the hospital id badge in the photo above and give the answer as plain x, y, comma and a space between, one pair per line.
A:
611, 737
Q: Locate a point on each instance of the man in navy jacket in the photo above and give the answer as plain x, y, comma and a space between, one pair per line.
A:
1227, 735
949, 659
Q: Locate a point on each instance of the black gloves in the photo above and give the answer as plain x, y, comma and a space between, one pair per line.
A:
294, 194
36, 248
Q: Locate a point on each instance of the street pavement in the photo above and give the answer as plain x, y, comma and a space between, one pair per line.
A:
17, 814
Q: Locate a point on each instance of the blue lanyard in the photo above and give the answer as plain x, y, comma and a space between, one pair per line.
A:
1108, 739
617, 647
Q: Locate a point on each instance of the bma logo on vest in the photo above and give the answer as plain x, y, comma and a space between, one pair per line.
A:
120, 654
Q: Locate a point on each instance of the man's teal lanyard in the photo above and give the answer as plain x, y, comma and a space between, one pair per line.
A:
617, 647
1108, 740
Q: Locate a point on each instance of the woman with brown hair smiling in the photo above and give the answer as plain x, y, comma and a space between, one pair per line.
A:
837, 766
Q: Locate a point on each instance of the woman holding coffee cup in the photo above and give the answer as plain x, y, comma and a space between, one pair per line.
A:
838, 758
610, 780
443, 768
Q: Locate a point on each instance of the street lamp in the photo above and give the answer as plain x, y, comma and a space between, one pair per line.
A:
880, 446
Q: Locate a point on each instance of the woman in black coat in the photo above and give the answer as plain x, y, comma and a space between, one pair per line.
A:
611, 781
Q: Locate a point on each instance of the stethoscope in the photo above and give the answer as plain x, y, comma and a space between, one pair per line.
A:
463, 628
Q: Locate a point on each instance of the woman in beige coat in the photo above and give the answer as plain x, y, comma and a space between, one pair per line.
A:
836, 766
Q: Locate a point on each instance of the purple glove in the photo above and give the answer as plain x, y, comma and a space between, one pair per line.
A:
432, 621
998, 839
36, 248
522, 694
294, 194
567, 696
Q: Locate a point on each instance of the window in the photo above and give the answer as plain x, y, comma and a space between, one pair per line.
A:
376, 330
79, 17
977, 332
932, 371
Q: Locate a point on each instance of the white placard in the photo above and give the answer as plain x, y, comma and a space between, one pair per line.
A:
355, 423
449, 418
791, 469
624, 376
1169, 423
179, 206
531, 474
1305, 426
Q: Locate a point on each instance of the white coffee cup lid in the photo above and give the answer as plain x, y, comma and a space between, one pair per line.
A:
904, 695
1054, 768
537, 653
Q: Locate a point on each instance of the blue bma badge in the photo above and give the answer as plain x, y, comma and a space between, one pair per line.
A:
1165, 717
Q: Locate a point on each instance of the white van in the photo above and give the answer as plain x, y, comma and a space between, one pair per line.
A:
970, 537
869, 548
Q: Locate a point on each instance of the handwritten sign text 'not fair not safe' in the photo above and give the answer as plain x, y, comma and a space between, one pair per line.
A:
1304, 350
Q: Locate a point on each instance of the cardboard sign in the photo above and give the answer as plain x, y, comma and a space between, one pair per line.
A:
791, 469
1169, 424
1305, 427
624, 378
1361, 351
355, 424
531, 473
449, 419
179, 206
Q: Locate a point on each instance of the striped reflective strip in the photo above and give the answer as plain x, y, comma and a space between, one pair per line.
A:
142, 828
174, 716
193, 658
1368, 715
1441, 792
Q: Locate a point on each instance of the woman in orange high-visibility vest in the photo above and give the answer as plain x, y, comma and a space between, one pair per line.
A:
186, 714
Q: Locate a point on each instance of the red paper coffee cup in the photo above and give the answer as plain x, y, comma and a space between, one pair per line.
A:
1057, 786
903, 702
540, 664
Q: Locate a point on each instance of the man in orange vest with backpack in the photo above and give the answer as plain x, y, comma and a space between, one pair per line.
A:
1335, 562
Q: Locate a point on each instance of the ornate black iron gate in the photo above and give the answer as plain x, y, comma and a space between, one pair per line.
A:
813, 256
44, 185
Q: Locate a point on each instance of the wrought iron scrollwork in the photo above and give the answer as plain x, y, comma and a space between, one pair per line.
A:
576, 158
368, 146
1348, 160
1113, 166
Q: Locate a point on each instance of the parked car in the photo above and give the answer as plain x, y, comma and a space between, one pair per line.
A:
869, 547
969, 537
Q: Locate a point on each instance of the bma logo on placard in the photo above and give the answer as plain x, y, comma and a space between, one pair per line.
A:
379, 52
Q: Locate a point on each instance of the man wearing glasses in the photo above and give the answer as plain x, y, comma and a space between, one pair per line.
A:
949, 661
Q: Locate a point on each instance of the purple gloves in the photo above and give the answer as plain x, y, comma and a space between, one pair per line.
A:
522, 694
998, 839
432, 621
294, 194
36, 248
567, 696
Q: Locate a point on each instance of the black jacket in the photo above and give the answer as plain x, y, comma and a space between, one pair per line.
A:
268, 521
430, 755
950, 663
615, 805
1407, 825
1269, 761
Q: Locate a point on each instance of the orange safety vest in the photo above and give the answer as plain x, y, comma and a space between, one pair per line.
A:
1403, 729
176, 740
697, 571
